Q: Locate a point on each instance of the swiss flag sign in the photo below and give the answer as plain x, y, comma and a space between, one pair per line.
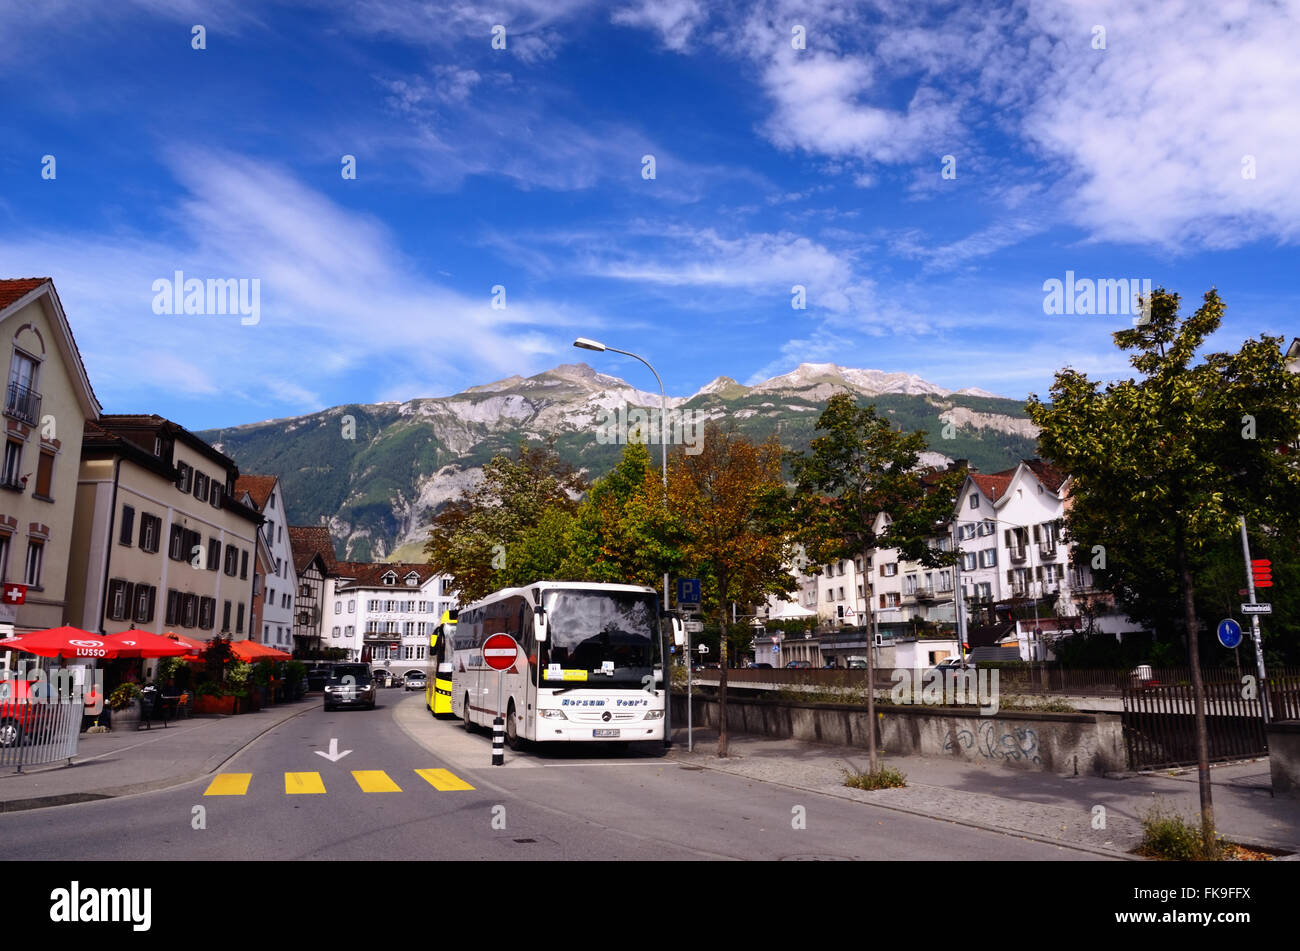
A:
15, 594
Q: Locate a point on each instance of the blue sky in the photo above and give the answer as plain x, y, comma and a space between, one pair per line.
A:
522, 167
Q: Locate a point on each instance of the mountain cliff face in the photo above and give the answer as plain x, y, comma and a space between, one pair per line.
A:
374, 474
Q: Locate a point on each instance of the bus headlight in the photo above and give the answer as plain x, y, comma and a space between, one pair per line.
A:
556, 714
654, 715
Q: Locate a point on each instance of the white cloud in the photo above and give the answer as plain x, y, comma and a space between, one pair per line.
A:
674, 20
339, 301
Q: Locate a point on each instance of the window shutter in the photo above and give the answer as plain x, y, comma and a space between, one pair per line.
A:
128, 524
153, 596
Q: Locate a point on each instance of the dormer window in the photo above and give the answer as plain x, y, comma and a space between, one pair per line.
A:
413, 579
390, 578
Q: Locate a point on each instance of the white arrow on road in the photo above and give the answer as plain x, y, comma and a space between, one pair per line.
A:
333, 755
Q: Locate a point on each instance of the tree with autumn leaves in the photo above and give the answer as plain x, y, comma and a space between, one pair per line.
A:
735, 527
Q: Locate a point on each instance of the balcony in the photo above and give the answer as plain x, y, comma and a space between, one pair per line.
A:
23, 403
1017, 555
1048, 552
925, 594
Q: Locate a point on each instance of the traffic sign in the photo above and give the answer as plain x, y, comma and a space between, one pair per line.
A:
15, 594
1262, 571
776, 648
1229, 633
694, 627
1257, 609
703, 648
688, 591
500, 652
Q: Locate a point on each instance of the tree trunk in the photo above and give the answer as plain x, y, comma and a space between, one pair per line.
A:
722, 680
1198, 690
871, 674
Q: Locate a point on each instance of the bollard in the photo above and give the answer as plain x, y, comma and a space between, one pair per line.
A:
498, 742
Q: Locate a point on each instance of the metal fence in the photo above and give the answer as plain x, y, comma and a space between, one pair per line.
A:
1160, 720
1040, 679
36, 732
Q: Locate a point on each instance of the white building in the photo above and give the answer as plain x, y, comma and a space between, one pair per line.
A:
264, 493
384, 613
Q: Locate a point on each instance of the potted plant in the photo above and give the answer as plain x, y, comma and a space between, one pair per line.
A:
295, 675
263, 677
209, 697
237, 685
124, 710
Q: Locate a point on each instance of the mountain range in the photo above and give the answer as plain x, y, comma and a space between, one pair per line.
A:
375, 473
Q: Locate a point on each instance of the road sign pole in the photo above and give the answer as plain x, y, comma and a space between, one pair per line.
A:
499, 729
1254, 628
690, 725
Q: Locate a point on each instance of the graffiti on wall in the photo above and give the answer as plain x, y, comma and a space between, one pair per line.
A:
1016, 744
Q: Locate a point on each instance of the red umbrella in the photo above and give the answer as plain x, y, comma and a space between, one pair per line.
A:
136, 643
251, 651
65, 642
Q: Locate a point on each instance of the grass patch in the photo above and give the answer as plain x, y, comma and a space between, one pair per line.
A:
1035, 704
1169, 837
886, 777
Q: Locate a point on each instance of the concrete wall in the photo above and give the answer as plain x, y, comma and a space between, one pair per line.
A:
1063, 743
1284, 757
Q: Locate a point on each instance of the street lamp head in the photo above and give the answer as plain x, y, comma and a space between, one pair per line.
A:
585, 344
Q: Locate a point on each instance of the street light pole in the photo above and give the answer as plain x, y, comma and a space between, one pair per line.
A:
584, 344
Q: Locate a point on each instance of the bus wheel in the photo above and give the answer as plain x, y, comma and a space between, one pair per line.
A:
469, 726
512, 731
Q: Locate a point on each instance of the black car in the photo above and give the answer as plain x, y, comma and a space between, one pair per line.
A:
318, 676
350, 685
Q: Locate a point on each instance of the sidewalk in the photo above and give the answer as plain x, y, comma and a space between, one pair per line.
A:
134, 761
1042, 806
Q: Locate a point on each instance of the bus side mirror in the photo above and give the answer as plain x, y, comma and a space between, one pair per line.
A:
539, 624
679, 631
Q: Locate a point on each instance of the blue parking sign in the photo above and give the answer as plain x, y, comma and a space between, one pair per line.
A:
688, 590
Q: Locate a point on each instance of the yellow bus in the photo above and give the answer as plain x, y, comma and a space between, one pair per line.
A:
437, 692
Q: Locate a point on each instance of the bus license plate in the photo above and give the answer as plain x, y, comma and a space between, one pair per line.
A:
604, 732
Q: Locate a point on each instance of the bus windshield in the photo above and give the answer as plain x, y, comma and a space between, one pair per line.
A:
613, 636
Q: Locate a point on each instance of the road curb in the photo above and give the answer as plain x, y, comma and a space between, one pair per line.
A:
210, 765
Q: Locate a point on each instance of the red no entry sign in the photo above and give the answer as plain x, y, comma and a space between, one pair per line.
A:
500, 651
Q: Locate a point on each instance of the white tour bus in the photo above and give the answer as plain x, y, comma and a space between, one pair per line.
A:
590, 663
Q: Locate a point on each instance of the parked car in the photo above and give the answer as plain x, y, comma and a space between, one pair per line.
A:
760, 666
799, 663
350, 685
856, 663
384, 677
953, 663
318, 676
415, 680
17, 711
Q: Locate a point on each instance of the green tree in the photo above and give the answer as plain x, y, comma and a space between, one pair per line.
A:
622, 532
860, 488
733, 515
1164, 466
471, 537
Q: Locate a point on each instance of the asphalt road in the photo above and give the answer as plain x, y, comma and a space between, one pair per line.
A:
279, 799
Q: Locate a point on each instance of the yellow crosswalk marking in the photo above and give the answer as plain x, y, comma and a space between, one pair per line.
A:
442, 780
229, 784
296, 784
374, 780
